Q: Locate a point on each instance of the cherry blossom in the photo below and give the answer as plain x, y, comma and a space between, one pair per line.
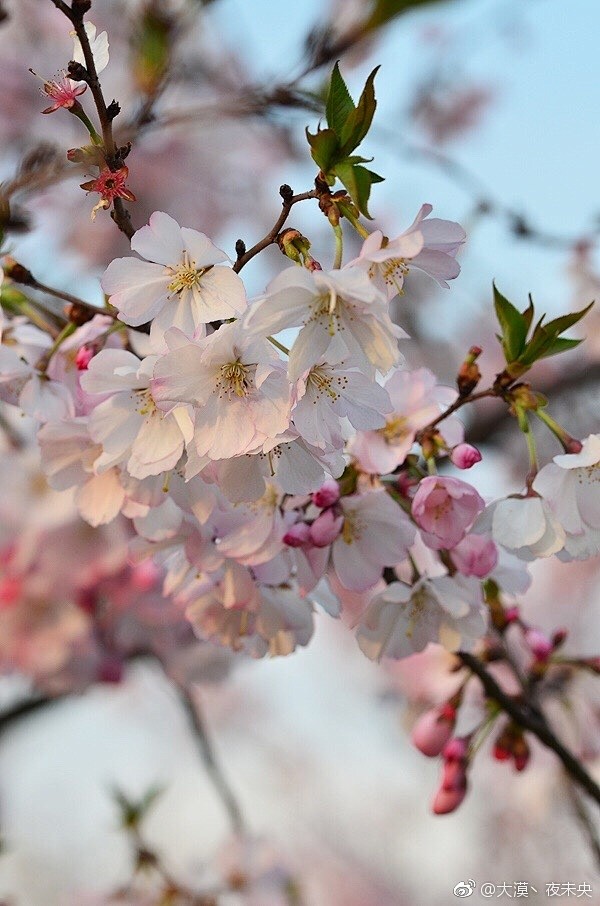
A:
404, 619
417, 399
429, 245
182, 283
445, 509
524, 525
128, 424
329, 392
375, 533
236, 385
571, 486
340, 315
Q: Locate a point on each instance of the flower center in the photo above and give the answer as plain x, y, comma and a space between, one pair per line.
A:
395, 430
352, 528
321, 382
393, 272
145, 403
234, 377
185, 276
417, 603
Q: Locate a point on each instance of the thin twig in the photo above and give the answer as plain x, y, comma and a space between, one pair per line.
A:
210, 762
271, 237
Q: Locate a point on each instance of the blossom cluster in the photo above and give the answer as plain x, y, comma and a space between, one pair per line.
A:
256, 475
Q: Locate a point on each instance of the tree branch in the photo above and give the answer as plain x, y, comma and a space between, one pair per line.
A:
533, 721
271, 237
210, 763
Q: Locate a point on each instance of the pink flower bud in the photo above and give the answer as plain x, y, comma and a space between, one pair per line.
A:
559, 636
144, 575
456, 749
501, 753
325, 528
445, 509
511, 614
454, 775
297, 535
83, 358
432, 731
10, 590
327, 495
447, 801
539, 644
464, 456
476, 555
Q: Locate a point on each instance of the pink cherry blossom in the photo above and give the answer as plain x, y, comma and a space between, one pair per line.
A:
475, 555
376, 532
417, 399
445, 509
429, 245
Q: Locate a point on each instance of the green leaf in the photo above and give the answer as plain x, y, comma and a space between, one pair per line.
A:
359, 120
559, 325
357, 181
560, 344
324, 147
513, 325
528, 313
339, 103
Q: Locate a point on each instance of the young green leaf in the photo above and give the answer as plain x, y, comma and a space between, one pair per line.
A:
339, 103
560, 344
513, 325
324, 148
359, 120
357, 181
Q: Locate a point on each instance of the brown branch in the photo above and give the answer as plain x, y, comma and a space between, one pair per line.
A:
534, 721
113, 160
288, 202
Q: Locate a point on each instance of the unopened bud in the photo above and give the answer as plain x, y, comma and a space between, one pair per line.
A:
464, 456
297, 535
539, 644
327, 495
469, 374
326, 528
447, 801
433, 730
84, 356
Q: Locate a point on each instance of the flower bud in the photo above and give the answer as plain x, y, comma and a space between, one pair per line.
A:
327, 495
84, 356
433, 730
464, 456
447, 801
325, 528
456, 749
297, 535
539, 644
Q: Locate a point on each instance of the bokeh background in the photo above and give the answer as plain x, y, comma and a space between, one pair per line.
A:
487, 110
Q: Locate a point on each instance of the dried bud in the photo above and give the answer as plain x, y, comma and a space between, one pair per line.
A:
78, 314
286, 192
17, 272
77, 72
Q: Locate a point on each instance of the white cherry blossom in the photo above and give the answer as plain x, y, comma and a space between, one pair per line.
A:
236, 385
526, 526
182, 283
128, 425
340, 313
404, 619
571, 486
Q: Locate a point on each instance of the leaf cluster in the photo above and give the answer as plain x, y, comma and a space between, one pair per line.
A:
347, 125
523, 346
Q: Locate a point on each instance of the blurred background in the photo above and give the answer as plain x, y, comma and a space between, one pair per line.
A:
487, 110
